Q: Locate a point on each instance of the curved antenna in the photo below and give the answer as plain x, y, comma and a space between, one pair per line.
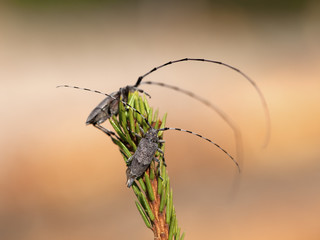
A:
87, 89
207, 139
263, 101
96, 91
223, 115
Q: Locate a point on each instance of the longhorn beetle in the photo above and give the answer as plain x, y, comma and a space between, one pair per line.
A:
109, 106
139, 162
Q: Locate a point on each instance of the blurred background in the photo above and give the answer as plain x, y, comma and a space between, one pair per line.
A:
60, 179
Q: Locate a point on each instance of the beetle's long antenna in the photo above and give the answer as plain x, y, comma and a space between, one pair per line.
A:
87, 89
207, 139
264, 103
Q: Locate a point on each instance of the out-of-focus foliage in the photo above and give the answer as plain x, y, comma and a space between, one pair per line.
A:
247, 5
266, 5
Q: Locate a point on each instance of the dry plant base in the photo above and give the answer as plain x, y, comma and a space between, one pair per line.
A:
159, 228
153, 192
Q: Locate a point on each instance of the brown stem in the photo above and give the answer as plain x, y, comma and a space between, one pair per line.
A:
159, 226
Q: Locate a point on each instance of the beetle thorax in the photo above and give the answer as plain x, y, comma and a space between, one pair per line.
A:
152, 135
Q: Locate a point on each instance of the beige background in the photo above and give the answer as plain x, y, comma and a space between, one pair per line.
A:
62, 180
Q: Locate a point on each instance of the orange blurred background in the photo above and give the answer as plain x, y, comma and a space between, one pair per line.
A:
62, 180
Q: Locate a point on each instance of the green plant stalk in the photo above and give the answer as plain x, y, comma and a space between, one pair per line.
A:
153, 192
149, 186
